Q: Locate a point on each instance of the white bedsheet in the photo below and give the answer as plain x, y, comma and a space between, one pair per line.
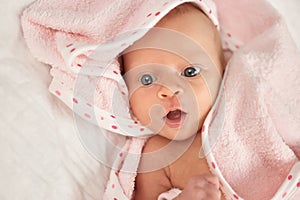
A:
41, 156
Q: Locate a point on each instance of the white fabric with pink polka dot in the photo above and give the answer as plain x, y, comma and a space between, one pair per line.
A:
82, 59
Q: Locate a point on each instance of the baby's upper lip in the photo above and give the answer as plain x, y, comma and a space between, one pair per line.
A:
173, 109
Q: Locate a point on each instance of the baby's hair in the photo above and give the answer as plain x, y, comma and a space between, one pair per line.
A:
188, 7
180, 10
177, 12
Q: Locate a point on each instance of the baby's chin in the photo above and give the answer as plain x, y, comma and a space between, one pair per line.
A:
179, 134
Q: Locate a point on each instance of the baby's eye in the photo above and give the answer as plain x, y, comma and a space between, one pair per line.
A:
147, 79
191, 71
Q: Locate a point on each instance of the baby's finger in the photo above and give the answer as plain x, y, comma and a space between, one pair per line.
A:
212, 179
212, 195
209, 191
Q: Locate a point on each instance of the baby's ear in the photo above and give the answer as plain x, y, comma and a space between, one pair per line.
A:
120, 60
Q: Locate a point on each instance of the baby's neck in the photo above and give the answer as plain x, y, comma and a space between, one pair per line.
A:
189, 164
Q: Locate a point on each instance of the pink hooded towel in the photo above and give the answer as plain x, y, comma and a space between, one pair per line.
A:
251, 136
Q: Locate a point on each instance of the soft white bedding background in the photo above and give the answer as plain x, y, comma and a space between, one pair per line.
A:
40, 154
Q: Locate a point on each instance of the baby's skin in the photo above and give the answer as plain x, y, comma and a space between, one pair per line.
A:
171, 94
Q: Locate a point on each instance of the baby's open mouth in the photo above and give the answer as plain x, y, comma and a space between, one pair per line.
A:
175, 118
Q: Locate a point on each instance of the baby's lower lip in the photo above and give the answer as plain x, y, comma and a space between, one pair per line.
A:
175, 123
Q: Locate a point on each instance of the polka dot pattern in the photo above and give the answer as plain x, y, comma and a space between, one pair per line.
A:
102, 118
75, 100
57, 92
114, 127
88, 104
283, 195
111, 122
71, 52
87, 115
213, 165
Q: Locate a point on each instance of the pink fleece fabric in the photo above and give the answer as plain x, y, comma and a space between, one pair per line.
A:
258, 143
253, 136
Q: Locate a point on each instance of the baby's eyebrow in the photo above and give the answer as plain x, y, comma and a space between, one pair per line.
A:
198, 65
198, 58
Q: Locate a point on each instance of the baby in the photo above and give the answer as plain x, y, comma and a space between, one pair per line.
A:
173, 79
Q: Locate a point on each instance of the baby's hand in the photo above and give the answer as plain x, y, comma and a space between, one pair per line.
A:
199, 187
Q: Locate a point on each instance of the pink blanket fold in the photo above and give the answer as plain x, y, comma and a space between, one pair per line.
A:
253, 136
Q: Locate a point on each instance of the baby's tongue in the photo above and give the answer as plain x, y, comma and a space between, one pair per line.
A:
174, 115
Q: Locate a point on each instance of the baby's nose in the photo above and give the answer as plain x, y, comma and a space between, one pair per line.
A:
165, 92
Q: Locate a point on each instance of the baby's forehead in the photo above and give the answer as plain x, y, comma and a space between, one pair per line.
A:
165, 39
166, 42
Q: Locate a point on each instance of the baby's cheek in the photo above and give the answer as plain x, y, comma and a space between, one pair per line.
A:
140, 109
204, 105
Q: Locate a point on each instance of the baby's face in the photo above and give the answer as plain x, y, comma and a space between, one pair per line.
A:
173, 75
